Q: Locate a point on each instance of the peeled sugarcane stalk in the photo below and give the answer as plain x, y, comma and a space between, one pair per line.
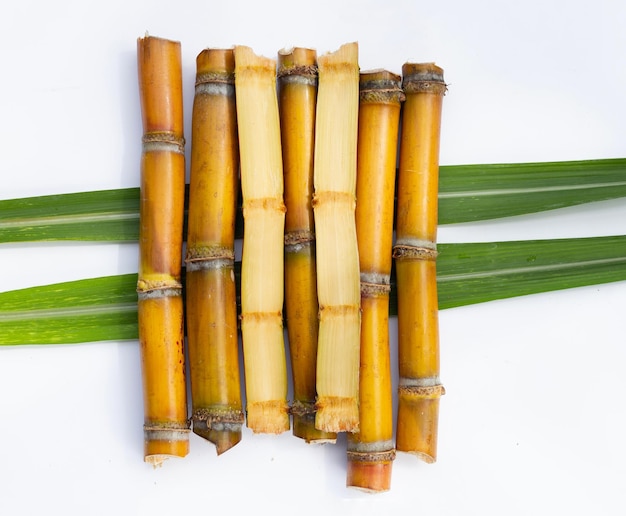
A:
211, 308
262, 263
336, 243
415, 254
297, 78
371, 450
161, 206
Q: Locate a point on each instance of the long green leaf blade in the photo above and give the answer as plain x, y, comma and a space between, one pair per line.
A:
466, 193
106, 215
106, 308
478, 192
479, 272
86, 310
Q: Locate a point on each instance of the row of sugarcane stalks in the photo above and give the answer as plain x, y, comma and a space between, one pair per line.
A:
313, 143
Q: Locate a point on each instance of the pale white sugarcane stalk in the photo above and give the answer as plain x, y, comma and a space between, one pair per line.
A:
338, 281
262, 260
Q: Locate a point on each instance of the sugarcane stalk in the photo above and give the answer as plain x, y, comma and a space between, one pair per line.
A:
415, 253
211, 308
159, 289
371, 450
262, 267
297, 79
336, 244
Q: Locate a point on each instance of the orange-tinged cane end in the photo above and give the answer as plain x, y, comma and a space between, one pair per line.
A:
158, 451
369, 476
418, 421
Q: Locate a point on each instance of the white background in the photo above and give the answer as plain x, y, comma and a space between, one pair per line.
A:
534, 419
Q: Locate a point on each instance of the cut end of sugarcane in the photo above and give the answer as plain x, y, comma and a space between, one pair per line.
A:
370, 477
223, 440
156, 461
418, 422
304, 428
157, 452
348, 52
268, 417
164, 441
245, 58
335, 414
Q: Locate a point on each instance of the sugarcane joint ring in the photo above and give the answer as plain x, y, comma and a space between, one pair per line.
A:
163, 141
167, 431
374, 289
307, 71
215, 78
429, 392
216, 417
159, 292
299, 238
434, 87
201, 253
381, 91
410, 252
302, 408
379, 456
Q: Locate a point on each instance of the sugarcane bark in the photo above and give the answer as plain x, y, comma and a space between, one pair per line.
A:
371, 451
415, 252
297, 72
217, 413
160, 307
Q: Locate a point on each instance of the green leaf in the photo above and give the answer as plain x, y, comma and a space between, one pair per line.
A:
106, 215
106, 308
86, 310
466, 193
479, 192
479, 272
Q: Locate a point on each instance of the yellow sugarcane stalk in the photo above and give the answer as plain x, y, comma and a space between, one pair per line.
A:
297, 78
415, 252
211, 309
160, 305
371, 450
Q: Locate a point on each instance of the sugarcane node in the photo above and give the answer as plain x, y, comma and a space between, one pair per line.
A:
302, 408
381, 96
371, 456
163, 141
299, 237
159, 288
154, 426
209, 252
409, 252
426, 392
213, 416
436, 88
167, 431
260, 316
330, 196
338, 310
264, 203
423, 78
285, 71
374, 289
215, 78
